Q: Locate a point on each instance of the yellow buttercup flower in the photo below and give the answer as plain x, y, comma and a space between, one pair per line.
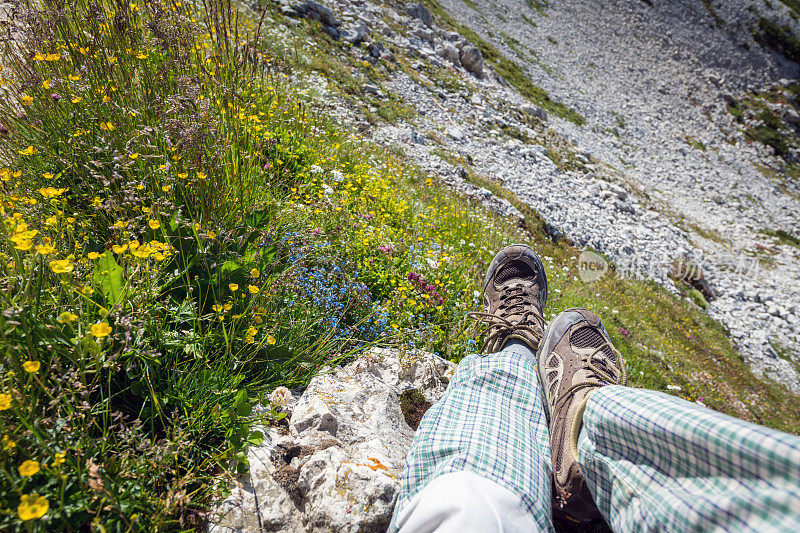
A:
67, 317
270, 339
26, 100
52, 192
154, 224
32, 506
31, 367
101, 330
233, 287
59, 459
24, 244
46, 249
47, 176
30, 150
255, 273
62, 266
119, 249
5, 401
77, 99
92, 255
28, 468
46, 84
201, 176
253, 289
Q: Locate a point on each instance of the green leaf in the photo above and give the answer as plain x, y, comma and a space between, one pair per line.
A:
256, 438
108, 276
242, 405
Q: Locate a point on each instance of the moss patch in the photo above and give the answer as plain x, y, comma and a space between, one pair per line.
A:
414, 406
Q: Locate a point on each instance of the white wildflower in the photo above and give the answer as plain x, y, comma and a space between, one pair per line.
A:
280, 397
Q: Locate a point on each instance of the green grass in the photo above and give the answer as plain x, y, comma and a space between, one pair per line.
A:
778, 38
784, 237
769, 132
177, 243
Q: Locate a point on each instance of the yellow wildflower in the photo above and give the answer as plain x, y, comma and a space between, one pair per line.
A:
62, 266
255, 273
32, 506
48, 176
46, 84
26, 100
28, 468
67, 317
24, 244
31, 367
59, 460
77, 99
119, 249
233, 287
270, 339
30, 150
92, 255
74, 77
201, 176
52, 192
154, 224
5, 401
101, 329
253, 289
46, 249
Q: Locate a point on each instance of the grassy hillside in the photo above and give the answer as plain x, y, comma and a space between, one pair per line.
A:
183, 231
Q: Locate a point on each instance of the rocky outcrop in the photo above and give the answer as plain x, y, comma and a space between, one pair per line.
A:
338, 464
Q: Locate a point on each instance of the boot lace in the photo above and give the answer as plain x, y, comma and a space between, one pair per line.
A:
517, 313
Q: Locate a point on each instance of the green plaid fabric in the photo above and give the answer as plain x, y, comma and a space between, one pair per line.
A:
491, 422
653, 461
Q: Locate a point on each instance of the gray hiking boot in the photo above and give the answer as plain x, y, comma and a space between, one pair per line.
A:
514, 294
575, 358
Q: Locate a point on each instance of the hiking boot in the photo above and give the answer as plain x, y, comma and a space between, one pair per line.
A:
576, 357
514, 294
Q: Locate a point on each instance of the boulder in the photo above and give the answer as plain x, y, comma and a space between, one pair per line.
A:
379, 51
338, 465
316, 11
472, 60
534, 111
355, 34
450, 53
421, 13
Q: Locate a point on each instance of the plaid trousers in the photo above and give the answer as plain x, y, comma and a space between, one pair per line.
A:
651, 461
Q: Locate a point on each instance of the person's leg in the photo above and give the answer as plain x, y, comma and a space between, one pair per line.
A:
480, 459
490, 423
653, 461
